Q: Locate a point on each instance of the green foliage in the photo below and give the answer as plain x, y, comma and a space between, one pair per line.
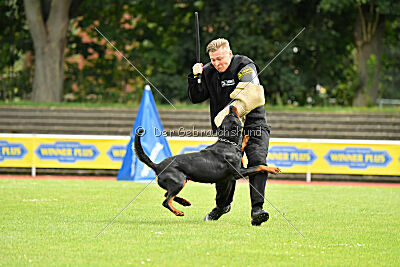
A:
390, 12
164, 52
391, 68
158, 38
150, 34
317, 56
386, 7
15, 47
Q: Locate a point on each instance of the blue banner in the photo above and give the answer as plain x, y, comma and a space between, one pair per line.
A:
154, 145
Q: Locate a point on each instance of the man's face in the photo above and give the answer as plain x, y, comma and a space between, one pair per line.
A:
221, 58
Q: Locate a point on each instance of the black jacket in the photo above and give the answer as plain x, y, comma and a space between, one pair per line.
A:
218, 86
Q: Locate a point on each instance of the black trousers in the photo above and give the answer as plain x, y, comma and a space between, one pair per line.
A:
256, 152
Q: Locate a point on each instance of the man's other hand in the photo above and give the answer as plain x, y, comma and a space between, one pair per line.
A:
197, 69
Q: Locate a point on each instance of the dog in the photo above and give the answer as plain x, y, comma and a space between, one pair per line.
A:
221, 160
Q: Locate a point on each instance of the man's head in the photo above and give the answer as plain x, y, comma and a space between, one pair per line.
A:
220, 54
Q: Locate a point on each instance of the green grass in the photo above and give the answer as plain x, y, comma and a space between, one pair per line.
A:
54, 222
204, 106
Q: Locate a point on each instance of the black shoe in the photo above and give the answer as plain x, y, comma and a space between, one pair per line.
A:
258, 216
216, 213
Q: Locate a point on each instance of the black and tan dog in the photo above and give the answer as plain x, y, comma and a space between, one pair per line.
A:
222, 160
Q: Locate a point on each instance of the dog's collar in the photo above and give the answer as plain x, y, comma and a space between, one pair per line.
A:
230, 142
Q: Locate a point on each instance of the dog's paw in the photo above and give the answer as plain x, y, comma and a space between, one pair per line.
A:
178, 213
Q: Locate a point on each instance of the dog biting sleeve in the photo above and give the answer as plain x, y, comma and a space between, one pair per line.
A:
248, 96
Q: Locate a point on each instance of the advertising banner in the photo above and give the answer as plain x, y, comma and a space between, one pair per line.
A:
16, 151
360, 157
62, 151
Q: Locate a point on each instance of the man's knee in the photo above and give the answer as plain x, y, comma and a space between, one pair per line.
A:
256, 157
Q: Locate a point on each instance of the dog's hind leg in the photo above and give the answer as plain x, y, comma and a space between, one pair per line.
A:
180, 200
168, 204
173, 186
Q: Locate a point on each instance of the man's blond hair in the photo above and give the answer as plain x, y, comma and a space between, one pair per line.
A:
216, 44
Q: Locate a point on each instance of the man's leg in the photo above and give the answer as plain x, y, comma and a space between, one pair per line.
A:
257, 185
257, 188
225, 191
256, 152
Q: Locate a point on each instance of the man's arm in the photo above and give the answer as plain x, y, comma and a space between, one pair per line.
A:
256, 117
249, 74
197, 92
248, 96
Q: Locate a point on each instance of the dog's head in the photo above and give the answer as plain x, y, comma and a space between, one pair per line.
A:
232, 126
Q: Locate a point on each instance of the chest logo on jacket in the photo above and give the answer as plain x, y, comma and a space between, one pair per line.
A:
225, 83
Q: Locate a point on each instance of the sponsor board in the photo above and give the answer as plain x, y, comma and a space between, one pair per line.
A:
12, 151
288, 156
117, 152
291, 155
358, 157
66, 152
62, 151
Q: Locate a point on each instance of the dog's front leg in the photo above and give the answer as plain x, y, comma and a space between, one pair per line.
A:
244, 142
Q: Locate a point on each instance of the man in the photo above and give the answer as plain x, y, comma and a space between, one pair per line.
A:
218, 80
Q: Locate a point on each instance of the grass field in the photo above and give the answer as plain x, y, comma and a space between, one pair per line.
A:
55, 222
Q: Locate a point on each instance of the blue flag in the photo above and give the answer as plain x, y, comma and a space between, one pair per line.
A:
154, 144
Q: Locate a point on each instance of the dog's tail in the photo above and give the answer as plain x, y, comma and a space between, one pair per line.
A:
140, 152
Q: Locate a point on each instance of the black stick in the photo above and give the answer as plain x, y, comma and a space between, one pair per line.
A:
196, 17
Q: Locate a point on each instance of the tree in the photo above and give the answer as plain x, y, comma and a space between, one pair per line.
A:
48, 22
318, 56
160, 41
369, 21
158, 38
391, 62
